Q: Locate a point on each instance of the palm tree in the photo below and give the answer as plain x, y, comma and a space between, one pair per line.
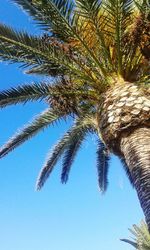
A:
141, 240
96, 55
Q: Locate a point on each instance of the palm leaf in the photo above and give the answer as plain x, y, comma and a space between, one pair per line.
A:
40, 122
24, 93
117, 20
143, 6
31, 51
40, 56
70, 155
133, 57
46, 69
61, 27
132, 243
76, 131
102, 166
60, 90
141, 237
25, 43
90, 11
53, 15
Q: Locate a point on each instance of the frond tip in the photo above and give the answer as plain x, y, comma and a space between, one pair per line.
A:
70, 141
69, 157
102, 166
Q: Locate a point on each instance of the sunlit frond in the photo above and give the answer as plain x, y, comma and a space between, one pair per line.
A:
32, 52
90, 15
117, 18
52, 15
141, 240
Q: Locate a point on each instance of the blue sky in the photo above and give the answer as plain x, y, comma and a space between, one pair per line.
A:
59, 217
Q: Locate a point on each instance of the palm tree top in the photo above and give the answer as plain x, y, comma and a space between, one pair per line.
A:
95, 41
86, 47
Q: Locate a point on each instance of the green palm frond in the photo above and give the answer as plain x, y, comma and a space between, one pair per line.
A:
25, 44
31, 51
84, 8
141, 239
61, 94
24, 93
143, 6
90, 11
60, 26
109, 23
39, 123
50, 57
70, 155
117, 20
81, 125
47, 69
133, 59
53, 15
102, 166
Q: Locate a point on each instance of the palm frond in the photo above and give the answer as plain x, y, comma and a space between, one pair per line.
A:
81, 125
132, 243
143, 6
141, 237
31, 51
117, 19
61, 94
40, 56
102, 166
46, 69
142, 233
54, 16
70, 155
90, 11
40, 122
54, 12
84, 7
24, 93
135, 42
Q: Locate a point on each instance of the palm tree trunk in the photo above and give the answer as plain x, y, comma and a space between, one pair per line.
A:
135, 147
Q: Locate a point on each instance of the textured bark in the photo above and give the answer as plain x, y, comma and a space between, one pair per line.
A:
125, 107
135, 148
125, 129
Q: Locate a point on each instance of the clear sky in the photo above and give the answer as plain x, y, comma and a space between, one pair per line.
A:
74, 216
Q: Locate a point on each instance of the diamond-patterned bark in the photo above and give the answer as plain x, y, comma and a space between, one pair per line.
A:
124, 107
